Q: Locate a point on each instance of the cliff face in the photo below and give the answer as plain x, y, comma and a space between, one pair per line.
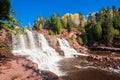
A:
4, 37
5, 42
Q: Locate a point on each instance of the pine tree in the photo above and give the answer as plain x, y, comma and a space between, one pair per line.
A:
108, 30
47, 24
38, 25
4, 9
59, 26
97, 32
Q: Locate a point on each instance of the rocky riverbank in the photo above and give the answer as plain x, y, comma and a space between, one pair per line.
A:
23, 69
111, 49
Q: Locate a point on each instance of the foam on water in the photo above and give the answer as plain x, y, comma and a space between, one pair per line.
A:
68, 51
46, 57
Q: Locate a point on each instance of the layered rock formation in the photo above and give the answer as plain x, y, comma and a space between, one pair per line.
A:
22, 69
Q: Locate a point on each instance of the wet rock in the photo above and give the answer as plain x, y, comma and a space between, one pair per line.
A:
23, 69
47, 75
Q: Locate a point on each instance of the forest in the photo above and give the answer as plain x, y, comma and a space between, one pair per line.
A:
102, 27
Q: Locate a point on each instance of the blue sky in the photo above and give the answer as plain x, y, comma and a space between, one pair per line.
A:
29, 10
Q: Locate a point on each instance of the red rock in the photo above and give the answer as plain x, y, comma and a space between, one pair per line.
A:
22, 69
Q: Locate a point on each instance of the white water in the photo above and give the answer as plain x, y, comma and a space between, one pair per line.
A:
31, 39
46, 58
68, 51
36, 48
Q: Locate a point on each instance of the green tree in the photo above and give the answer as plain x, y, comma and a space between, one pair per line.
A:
91, 18
59, 25
89, 30
108, 30
47, 24
70, 25
97, 32
53, 23
84, 38
114, 10
7, 20
99, 17
38, 25
64, 22
81, 19
116, 21
4, 9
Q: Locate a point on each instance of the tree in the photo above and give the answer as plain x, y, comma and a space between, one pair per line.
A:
114, 10
70, 25
4, 9
99, 17
81, 18
89, 30
7, 20
53, 23
38, 25
64, 22
91, 18
84, 38
116, 21
47, 24
59, 26
108, 30
97, 32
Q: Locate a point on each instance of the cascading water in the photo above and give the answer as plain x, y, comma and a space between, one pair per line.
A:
45, 47
68, 51
46, 58
22, 42
31, 39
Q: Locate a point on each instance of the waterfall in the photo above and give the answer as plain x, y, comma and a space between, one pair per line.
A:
46, 57
22, 42
68, 51
35, 47
45, 47
31, 39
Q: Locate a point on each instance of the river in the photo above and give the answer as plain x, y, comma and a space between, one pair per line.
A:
71, 66
85, 68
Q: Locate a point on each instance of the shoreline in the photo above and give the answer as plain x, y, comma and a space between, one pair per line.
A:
108, 49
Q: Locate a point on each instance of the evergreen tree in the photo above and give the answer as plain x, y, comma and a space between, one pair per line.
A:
108, 29
116, 21
64, 22
70, 25
91, 18
53, 23
99, 17
97, 32
59, 26
38, 25
47, 24
114, 10
81, 19
4, 9
7, 20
